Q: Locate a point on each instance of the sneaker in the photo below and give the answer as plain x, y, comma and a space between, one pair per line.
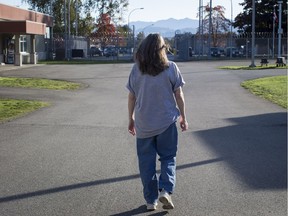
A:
151, 207
165, 198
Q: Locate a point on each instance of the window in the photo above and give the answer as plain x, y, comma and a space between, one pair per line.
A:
23, 43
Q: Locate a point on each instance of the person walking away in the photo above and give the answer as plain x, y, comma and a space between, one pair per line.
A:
155, 103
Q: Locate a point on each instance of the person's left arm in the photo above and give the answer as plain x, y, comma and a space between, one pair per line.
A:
131, 106
179, 96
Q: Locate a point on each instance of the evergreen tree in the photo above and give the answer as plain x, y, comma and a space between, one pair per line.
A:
263, 17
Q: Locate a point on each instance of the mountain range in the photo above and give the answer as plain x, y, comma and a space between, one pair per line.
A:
166, 28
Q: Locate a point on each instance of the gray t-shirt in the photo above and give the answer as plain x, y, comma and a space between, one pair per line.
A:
155, 108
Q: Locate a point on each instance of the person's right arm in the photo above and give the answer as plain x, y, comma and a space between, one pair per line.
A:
179, 96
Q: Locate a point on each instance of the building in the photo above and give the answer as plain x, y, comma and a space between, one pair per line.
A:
20, 30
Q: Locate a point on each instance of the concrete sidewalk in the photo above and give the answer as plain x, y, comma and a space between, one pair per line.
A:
77, 158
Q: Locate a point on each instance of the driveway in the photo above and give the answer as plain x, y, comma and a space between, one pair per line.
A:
76, 157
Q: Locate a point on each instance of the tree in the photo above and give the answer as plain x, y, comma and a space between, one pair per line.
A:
122, 32
219, 23
113, 8
105, 30
139, 38
263, 17
87, 9
85, 20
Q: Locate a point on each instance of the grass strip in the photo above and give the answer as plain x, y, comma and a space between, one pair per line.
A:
71, 62
253, 68
11, 108
271, 88
38, 83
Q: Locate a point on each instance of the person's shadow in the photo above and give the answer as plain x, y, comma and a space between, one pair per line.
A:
141, 210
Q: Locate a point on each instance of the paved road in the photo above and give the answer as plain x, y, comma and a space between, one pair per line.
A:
76, 158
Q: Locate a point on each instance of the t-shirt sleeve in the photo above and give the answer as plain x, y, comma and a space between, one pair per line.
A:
130, 83
177, 78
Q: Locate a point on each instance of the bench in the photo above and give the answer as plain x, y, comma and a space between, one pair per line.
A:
280, 62
264, 61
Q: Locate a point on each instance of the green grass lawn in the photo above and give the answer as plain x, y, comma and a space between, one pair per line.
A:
37, 83
85, 61
271, 88
11, 109
253, 68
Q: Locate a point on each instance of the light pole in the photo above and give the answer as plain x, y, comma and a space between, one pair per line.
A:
76, 18
231, 30
253, 36
67, 37
65, 26
69, 30
131, 13
143, 30
279, 28
116, 22
273, 40
210, 30
129, 24
200, 28
51, 28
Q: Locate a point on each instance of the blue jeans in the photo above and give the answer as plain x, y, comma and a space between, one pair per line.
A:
165, 145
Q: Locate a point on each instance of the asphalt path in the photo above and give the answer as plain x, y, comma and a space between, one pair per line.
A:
76, 157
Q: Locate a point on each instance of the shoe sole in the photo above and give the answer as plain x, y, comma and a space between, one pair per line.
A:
152, 208
166, 203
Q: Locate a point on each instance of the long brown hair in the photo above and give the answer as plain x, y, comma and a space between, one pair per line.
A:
151, 55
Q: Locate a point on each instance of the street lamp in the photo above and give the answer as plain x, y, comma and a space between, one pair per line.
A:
131, 13
143, 30
51, 32
210, 30
200, 28
231, 30
273, 40
65, 26
279, 28
129, 24
253, 36
67, 37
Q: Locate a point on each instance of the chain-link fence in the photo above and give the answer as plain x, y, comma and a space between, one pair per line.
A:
189, 46
186, 46
67, 47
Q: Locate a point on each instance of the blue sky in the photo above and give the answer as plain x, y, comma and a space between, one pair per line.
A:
155, 10
163, 9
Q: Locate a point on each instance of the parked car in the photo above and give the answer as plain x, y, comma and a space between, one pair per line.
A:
96, 51
235, 52
123, 50
222, 51
110, 51
215, 51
